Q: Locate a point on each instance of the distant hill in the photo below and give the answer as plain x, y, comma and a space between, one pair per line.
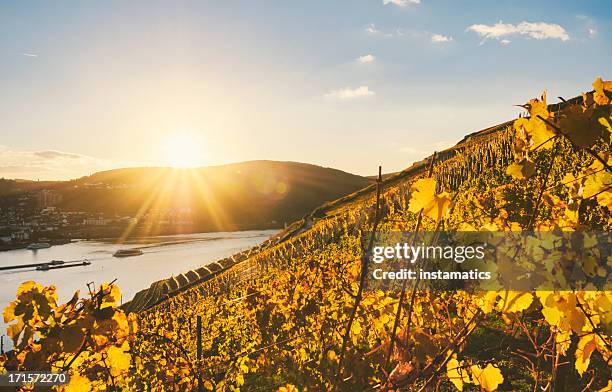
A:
8, 187
228, 197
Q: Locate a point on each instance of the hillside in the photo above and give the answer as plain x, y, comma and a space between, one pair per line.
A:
284, 310
484, 150
11, 187
254, 194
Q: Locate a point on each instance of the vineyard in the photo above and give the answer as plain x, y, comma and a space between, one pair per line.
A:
296, 313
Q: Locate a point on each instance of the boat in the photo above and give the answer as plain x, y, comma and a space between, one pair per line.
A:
39, 245
127, 252
47, 267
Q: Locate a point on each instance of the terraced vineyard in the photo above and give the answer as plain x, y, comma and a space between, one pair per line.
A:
296, 312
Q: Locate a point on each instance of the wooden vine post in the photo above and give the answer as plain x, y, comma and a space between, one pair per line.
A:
199, 350
365, 258
398, 315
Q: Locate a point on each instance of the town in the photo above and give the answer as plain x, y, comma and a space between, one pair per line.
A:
36, 219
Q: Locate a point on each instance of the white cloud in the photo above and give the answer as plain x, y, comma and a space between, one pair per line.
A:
538, 30
28, 54
441, 38
401, 3
47, 164
372, 29
504, 41
350, 93
592, 32
365, 59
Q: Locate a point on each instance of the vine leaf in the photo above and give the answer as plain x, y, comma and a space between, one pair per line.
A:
607, 388
435, 206
598, 182
586, 345
78, 383
514, 301
581, 126
600, 87
488, 378
455, 372
521, 170
538, 131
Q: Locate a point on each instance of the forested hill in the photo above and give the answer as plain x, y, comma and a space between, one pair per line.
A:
11, 187
253, 194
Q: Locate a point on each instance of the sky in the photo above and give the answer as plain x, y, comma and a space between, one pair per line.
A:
93, 85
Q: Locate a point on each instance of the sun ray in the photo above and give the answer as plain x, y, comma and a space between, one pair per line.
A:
210, 203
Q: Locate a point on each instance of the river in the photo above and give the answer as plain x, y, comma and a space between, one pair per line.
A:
162, 257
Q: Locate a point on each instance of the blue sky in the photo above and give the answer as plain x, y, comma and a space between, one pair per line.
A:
92, 85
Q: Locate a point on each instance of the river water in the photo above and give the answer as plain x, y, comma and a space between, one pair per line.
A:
162, 257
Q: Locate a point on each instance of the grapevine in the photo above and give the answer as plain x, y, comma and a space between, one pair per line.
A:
293, 314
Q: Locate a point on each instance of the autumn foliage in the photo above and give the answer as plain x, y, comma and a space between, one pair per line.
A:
296, 316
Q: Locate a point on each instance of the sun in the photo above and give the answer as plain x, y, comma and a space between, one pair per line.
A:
183, 149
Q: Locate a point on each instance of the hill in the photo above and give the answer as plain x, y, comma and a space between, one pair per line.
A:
11, 187
255, 194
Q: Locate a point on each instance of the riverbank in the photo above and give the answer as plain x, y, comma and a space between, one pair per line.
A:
23, 245
117, 234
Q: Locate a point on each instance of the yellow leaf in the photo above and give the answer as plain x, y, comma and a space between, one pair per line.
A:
605, 199
606, 123
28, 286
586, 345
455, 372
538, 107
563, 340
118, 359
331, 355
521, 170
356, 328
551, 315
9, 312
538, 131
434, 206
240, 379
488, 378
288, 388
600, 88
78, 383
580, 126
488, 301
607, 388
598, 178
71, 337
111, 294
514, 301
